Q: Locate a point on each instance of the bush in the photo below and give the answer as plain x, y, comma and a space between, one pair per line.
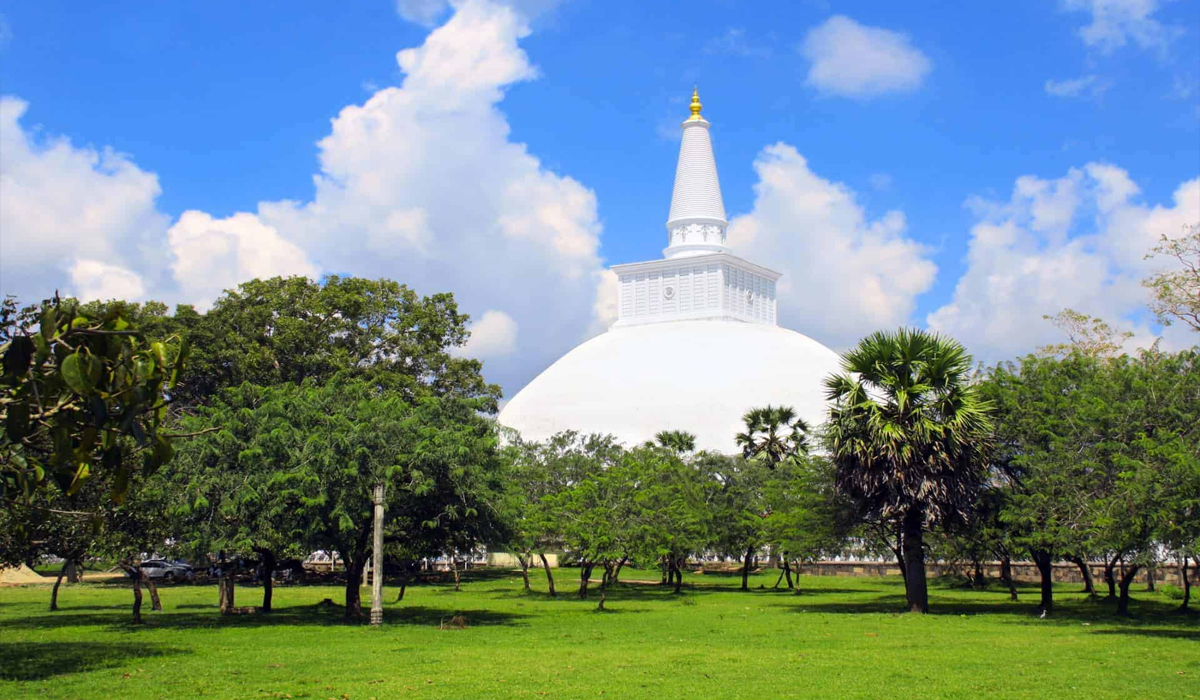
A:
1172, 592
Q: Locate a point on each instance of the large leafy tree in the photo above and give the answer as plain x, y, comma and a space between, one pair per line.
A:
328, 444
286, 330
910, 437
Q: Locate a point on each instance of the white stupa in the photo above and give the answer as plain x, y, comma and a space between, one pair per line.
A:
696, 343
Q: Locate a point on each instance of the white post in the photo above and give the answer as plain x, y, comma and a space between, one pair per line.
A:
377, 561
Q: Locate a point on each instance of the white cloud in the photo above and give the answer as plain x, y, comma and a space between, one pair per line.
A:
844, 275
493, 335
92, 279
63, 204
1114, 23
1077, 242
212, 255
422, 184
1086, 86
853, 60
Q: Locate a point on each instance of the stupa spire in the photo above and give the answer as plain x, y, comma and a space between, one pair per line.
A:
696, 224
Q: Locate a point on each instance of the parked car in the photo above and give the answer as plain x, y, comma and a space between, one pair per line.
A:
167, 570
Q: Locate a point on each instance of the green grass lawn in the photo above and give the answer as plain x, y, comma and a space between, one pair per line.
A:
842, 638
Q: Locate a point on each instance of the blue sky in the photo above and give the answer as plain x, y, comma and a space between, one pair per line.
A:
931, 113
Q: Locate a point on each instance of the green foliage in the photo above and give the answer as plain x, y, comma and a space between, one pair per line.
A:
288, 330
73, 388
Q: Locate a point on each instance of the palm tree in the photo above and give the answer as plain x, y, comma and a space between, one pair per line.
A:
679, 441
909, 436
773, 434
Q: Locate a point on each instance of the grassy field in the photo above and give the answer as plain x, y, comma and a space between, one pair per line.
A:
840, 639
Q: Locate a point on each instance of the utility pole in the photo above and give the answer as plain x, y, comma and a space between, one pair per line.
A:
377, 561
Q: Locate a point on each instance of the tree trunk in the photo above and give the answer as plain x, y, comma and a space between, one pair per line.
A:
585, 573
787, 571
746, 570
137, 596
1127, 577
549, 575
617, 572
1007, 577
977, 578
57, 582
1187, 584
524, 560
1085, 570
268, 574
1045, 566
664, 566
155, 603
677, 564
1150, 577
454, 568
135, 575
226, 588
74, 571
914, 562
403, 587
608, 572
354, 568
1109, 579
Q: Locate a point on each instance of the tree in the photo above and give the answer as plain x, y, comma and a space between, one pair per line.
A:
539, 472
1177, 291
739, 507
286, 330
225, 497
437, 459
1048, 489
806, 518
909, 436
1086, 335
72, 388
671, 515
773, 434
679, 441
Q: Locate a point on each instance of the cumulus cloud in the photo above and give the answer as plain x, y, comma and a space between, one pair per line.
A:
493, 335
1078, 242
1114, 23
63, 204
422, 184
853, 60
212, 255
844, 274
92, 279
1086, 86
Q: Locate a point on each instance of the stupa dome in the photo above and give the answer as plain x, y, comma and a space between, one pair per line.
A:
696, 343
700, 376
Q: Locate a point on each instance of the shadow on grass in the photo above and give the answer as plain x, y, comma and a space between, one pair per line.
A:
33, 661
291, 616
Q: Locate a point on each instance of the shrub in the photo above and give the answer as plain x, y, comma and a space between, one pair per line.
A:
1172, 592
